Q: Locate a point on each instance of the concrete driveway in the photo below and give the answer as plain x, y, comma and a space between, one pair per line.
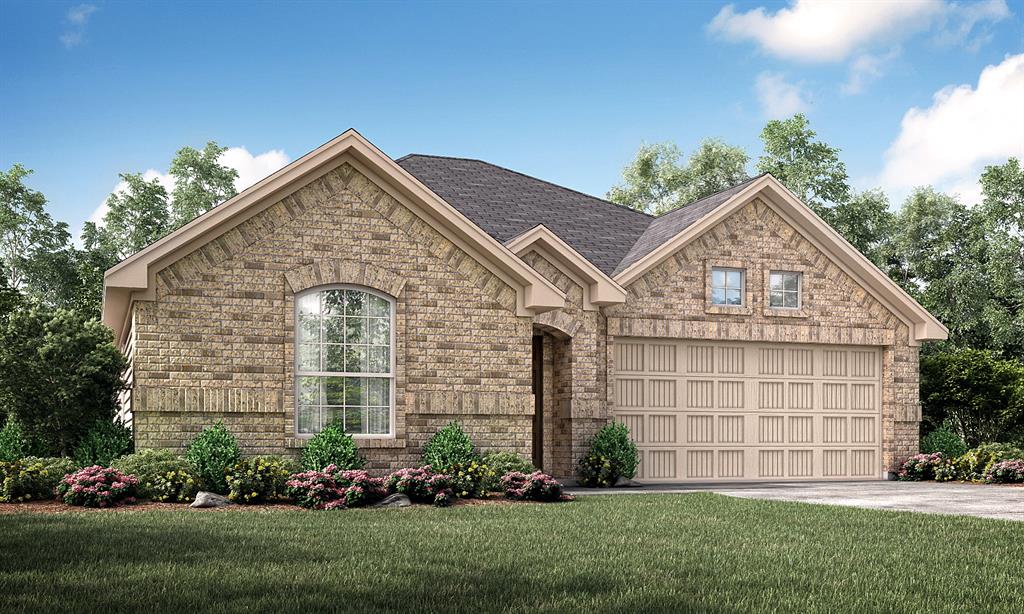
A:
983, 501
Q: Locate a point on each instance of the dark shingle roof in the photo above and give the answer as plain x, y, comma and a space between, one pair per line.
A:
505, 204
665, 227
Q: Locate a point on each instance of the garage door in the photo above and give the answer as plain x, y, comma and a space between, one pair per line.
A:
702, 411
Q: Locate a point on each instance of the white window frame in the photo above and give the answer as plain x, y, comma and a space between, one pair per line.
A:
726, 288
799, 289
300, 373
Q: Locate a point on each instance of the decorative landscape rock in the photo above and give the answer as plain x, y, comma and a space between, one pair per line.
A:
395, 500
209, 499
624, 482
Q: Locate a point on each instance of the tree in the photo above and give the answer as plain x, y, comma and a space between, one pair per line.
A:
59, 373
30, 240
657, 181
1001, 217
867, 223
810, 168
136, 216
200, 182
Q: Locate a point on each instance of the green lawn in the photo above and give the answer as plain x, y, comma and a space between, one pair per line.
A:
699, 552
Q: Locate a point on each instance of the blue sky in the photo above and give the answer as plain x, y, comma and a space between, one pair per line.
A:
914, 92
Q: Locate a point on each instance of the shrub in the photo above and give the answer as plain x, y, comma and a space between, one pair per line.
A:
501, 463
333, 488
449, 447
163, 476
212, 453
32, 479
331, 446
105, 441
920, 467
979, 394
13, 441
470, 481
975, 463
945, 440
422, 485
537, 486
946, 472
97, 487
1006, 472
259, 479
612, 455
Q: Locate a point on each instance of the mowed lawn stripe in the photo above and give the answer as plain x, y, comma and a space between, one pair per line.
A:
696, 552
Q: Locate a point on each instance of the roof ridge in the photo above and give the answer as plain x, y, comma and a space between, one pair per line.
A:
538, 179
712, 195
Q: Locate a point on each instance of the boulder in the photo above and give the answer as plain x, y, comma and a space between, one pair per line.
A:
209, 499
624, 482
395, 500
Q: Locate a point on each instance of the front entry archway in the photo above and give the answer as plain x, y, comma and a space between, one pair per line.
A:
552, 390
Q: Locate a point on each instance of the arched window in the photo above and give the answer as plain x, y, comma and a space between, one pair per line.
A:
345, 347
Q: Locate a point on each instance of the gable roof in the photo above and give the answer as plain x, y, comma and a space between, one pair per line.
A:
506, 204
134, 277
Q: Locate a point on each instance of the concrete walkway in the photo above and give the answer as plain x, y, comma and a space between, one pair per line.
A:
981, 500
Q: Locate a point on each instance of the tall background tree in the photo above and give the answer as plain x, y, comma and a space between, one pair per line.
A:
201, 182
658, 181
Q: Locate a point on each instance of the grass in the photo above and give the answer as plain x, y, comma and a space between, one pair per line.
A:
694, 552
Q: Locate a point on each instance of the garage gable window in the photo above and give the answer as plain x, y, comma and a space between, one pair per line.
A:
727, 286
784, 290
345, 361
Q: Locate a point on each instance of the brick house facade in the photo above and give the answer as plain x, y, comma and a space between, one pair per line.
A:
401, 295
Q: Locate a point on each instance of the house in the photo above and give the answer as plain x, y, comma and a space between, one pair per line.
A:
739, 338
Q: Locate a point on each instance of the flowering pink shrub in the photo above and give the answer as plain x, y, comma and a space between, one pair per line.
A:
920, 467
97, 486
1006, 472
333, 489
537, 486
422, 485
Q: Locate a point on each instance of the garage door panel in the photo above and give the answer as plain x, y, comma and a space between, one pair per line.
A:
749, 411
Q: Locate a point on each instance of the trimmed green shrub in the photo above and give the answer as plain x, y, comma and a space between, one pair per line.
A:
612, 455
13, 440
259, 479
943, 440
31, 478
163, 476
501, 463
212, 453
104, 442
97, 487
449, 447
332, 446
976, 462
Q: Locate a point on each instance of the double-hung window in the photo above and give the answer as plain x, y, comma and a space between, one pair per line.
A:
784, 290
345, 361
727, 286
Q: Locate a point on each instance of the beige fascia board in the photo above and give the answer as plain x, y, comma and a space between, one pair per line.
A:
136, 273
923, 325
602, 289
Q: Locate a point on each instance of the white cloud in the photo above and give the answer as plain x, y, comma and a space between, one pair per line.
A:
965, 128
250, 169
864, 69
778, 97
962, 18
77, 18
816, 31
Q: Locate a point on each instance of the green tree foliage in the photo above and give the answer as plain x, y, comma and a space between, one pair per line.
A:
979, 396
810, 168
200, 182
59, 373
136, 216
1001, 217
867, 222
657, 181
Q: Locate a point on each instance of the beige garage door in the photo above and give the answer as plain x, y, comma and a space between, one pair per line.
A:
710, 411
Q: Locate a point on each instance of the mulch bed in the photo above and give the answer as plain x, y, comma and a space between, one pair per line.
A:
56, 507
